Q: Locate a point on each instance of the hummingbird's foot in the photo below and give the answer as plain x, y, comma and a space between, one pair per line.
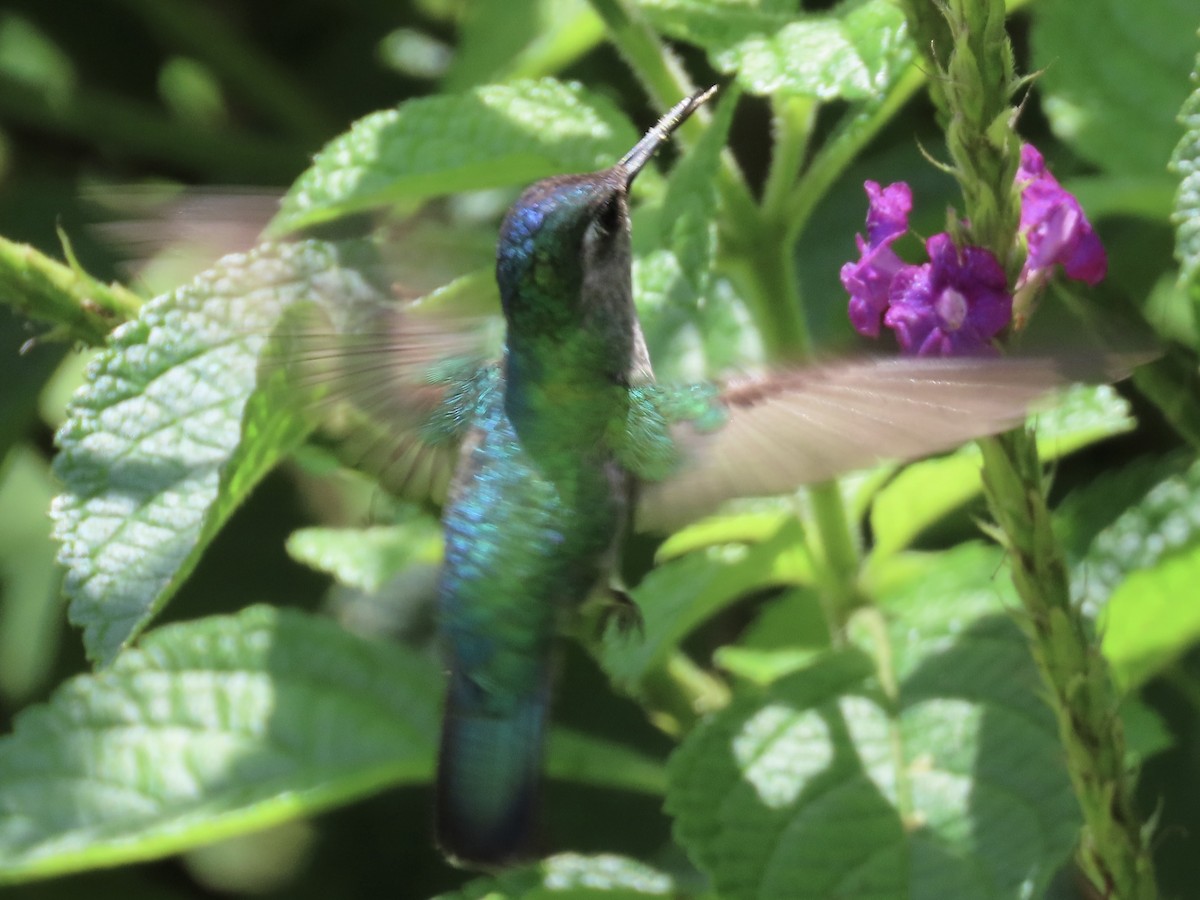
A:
623, 612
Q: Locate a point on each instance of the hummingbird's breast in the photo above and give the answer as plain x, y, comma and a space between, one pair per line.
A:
531, 527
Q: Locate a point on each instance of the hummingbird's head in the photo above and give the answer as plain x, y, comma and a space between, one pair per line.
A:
560, 230
563, 257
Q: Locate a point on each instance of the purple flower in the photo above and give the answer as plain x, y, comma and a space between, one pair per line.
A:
952, 305
956, 303
1054, 226
869, 279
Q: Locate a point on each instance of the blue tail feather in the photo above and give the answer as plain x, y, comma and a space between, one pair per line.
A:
489, 775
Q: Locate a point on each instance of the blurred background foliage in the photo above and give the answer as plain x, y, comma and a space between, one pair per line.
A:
103, 100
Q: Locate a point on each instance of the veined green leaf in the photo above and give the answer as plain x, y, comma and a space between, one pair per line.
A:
570, 875
1186, 163
491, 136
826, 784
209, 729
229, 724
850, 53
1139, 576
1166, 521
172, 431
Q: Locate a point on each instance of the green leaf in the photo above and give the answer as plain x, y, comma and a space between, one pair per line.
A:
1140, 574
227, 725
1152, 618
209, 729
676, 597
366, 558
491, 136
1090, 509
172, 431
570, 875
1113, 77
790, 633
1146, 734
30, 614
760, 521
65, 296
851, 53
925, 491
1163, 524
1186, 163
824, 785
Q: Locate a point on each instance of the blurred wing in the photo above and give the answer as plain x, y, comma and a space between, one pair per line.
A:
392, 387
808, 425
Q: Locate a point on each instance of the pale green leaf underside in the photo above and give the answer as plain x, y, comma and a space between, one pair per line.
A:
1166, 521
1139, 576
820, 787
490, 136
229, 724
571, 875
171, 431
1186, 163
851, 53
366, 558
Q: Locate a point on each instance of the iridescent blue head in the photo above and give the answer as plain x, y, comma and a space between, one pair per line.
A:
563, 257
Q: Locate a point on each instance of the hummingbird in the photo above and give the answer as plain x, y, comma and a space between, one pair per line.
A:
551, 453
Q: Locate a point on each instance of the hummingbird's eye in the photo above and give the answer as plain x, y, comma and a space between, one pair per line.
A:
608, 216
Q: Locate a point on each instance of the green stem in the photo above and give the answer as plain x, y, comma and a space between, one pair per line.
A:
1115, 851
63, 295
885, 667
843, 148
665, 80
763, 267
792, 122
840, 558
969, 47
679, 693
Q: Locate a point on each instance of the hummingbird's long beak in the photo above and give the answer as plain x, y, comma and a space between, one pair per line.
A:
633, 161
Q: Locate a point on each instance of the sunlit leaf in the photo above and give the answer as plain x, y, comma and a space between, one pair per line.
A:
824, 785
172, 431
491, 136
851, 53
210, 728
570, 875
